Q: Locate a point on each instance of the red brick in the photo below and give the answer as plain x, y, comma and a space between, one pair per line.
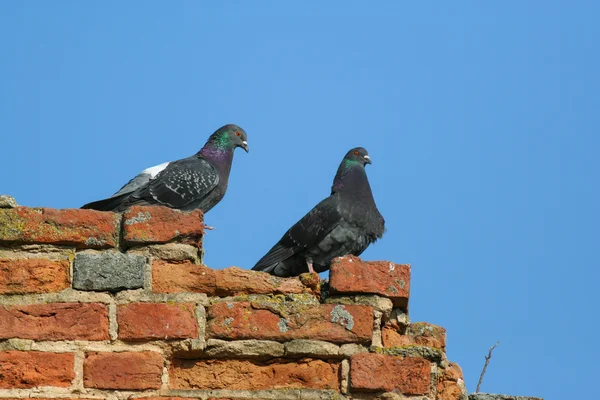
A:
126, 370
147, 321
73, 227
235, 281
55, 321
33, 275
153, 224
350, 274
253, 375
451, 384
417, 333
333, 323
377, 372
184, 276
28, 369
175, 277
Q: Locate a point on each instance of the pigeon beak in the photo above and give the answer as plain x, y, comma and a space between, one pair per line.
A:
245, 146
368, 159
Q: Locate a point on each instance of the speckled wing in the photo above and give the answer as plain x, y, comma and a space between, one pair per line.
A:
140, 180
183, 182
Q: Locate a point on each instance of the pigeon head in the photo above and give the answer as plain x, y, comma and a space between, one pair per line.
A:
357, 156
228, 137
351, 171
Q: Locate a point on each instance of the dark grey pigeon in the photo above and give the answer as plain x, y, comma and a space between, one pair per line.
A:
346, 222
196, 182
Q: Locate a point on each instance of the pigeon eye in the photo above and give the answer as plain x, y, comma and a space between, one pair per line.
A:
355, 152
238, 133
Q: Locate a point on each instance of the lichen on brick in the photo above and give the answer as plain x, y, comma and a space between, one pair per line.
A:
140, 217
283, 327
340, 315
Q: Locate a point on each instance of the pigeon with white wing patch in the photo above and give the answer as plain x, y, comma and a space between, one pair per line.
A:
196, 182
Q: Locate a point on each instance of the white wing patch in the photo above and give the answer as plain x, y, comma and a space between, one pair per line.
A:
153, 171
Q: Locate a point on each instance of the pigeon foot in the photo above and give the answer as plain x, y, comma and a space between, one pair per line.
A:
310, 266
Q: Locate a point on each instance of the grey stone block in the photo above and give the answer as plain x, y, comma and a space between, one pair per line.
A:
487, 396
108, 271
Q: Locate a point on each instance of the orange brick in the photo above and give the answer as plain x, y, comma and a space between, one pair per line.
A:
74, 227
55, 321
33, 275
174, 277
349, 274
154, 224
451, 384
28, 369
235, 281
253, 375
376, 372
147, 321
333, 323
417, 333
126, 370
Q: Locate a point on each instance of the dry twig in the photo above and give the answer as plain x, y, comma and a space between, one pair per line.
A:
487, 361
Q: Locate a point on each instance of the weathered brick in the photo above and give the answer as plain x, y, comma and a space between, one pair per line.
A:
417, 333
55, 321
144, 225
378, 372
175, 277
333, 323
451, 385
349, 274
235, 281
147, 321
33, 275
254, 375
28, 369
126, 370
74, 227
184, 276
108, 271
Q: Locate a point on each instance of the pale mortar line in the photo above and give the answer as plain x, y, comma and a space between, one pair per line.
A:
131, 296
114, 394
47, 391
113, 325
69, 346
273, 394
201, 320
148, 274
376, 340
119, 347
77, 384
345, 377
65, 296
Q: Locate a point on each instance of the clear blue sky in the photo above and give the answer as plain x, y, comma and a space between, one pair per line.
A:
482, 120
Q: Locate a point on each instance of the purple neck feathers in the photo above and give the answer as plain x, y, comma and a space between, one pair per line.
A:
221, 158
352, 180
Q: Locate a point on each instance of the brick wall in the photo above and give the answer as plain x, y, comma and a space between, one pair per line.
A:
97, 305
